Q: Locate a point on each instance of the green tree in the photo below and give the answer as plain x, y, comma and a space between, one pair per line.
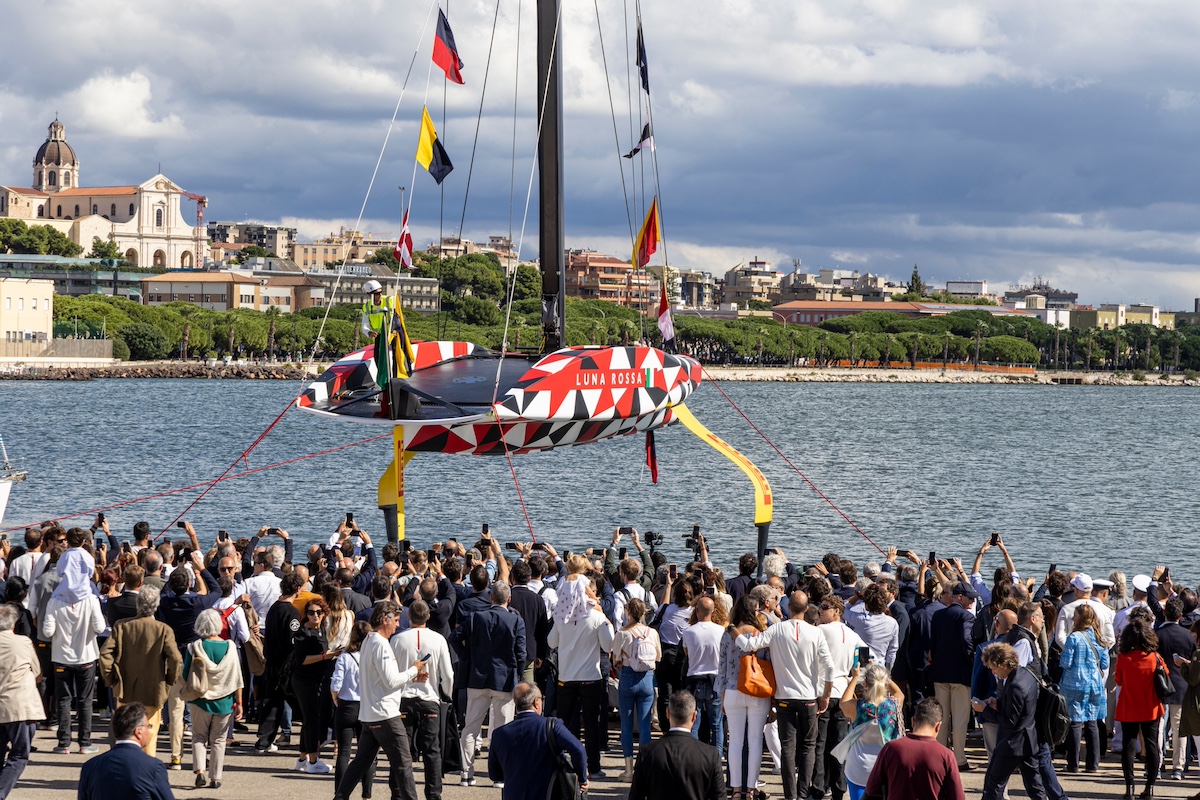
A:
102, 248
44, 240
385, 256
476, 311
253, 251
145, 342
915, 284
529, 283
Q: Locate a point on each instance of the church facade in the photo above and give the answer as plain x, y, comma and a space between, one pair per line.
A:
146, 220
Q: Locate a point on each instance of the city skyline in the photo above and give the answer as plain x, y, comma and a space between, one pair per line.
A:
979, 140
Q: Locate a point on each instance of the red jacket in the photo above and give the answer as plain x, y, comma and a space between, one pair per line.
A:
1137, 702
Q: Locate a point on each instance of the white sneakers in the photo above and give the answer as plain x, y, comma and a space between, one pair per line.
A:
465, 779
318, 768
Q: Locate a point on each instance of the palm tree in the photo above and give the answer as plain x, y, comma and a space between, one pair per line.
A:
853, 338
887, 350
1090, 338
980, 329
946, 351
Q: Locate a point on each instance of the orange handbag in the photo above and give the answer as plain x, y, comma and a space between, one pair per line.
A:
756, 677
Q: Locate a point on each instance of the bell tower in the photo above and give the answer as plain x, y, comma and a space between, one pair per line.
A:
55, 166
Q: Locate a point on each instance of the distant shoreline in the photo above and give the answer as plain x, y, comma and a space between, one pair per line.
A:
249, 371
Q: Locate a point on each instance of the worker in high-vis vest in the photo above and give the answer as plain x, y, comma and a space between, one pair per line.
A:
383, 320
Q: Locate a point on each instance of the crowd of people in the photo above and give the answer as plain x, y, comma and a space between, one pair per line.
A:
850, 682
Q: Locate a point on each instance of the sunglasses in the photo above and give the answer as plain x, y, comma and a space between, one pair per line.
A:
315, 612
228, 569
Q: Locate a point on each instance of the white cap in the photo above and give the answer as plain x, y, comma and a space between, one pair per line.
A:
370, 287
1100, 583
1082, 582
1141, 582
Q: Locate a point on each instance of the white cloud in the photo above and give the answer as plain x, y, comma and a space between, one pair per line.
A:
120, 106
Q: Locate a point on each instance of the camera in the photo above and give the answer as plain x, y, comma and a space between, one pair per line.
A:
692, 541
653, 539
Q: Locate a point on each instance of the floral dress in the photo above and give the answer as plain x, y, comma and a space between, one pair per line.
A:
861, 758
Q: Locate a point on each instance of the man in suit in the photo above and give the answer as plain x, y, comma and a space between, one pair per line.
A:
125, 772
140, 662
519, 755
124, 605
1175, 640
951, 654
533, 613
1015, 710
678, 766
493, 659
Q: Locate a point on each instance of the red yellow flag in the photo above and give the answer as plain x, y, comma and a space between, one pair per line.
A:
648, 238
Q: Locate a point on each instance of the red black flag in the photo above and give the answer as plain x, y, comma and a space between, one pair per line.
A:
651, 457
445, 53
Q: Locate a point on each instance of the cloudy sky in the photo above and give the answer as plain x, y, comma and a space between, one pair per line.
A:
981, 140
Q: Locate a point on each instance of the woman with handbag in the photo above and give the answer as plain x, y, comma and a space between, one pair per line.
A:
213, 686
1139, 709
874, 713
636, 651
1084, 661
746, 712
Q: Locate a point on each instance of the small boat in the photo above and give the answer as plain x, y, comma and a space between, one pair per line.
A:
9, 477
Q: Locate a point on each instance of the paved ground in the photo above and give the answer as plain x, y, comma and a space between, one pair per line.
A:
267, 777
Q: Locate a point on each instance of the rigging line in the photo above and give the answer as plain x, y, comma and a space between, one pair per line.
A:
613, 113
228, 469
517, 483
788, 461
374, 173
207, 483
525, 217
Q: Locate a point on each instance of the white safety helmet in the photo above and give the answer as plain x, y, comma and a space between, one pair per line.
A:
371, 287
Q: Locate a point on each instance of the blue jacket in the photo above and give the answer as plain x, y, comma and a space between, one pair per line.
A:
983, 682
493, 649
519, 755
951, 648
1083, 661
124, 773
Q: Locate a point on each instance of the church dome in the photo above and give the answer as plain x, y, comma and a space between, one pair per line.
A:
55, 150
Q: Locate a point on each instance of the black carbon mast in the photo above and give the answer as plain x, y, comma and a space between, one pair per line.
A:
551, 242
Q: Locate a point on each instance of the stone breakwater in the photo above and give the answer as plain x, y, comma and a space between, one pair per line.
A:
157, 370
875, 375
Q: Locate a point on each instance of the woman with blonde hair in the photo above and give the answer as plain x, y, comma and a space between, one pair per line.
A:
875, 703
340, 621
1084, 662
1118, 598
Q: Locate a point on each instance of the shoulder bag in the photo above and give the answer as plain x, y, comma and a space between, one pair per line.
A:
1163, 687
756, 677
564, 783
196, 685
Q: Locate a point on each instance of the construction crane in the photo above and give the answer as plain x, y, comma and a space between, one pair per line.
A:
201, 204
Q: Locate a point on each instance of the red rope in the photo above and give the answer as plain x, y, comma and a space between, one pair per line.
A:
516, 482
812, 485
210, 483
229, 469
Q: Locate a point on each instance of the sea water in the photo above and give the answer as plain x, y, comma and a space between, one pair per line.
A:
1092, 478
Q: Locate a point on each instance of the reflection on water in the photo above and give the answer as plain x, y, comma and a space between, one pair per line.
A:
1088, 477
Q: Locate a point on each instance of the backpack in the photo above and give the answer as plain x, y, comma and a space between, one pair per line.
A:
644, 655
1053, 721
564, 783
225, 615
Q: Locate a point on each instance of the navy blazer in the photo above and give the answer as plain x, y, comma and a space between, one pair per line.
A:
1016, 711
124, 773
951, 648
519, 756
1174, 639
493, 649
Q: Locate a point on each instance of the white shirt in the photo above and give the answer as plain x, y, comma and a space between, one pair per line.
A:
549, 596
702, 642
799, 655
72, 629
1121, 620
263, 590
28, 567
239, 628
380, 680
1066, 620
635, 591
580, 646
843, 645
415, 644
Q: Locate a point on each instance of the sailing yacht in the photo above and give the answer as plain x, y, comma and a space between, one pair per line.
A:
9, 477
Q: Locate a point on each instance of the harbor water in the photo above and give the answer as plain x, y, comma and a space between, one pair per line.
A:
1092, 478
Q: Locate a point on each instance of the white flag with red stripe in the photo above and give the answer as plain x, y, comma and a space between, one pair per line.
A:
404, 246
665, 326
